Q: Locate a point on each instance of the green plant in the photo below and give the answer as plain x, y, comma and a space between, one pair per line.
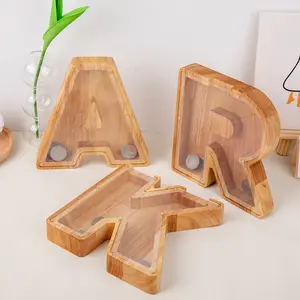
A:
58, 22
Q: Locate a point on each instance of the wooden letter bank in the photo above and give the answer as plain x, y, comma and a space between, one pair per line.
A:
135, 213
223, 128
93, 116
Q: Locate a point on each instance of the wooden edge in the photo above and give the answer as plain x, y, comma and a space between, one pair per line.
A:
284, 146
93, 63
81, 156
4, 156
77, 64
295, 159
289, 134
175, 137
143, 278
286, 137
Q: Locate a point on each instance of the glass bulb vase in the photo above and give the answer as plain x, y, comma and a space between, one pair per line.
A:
37, 104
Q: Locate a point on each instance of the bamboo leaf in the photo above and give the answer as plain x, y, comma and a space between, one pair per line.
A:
63, 23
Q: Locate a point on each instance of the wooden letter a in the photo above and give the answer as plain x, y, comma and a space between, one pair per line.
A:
93, 116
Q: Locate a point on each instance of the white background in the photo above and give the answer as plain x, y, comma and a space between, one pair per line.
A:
243, 259
278, 51
150, 40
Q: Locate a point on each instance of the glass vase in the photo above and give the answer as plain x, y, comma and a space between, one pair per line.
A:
37, 104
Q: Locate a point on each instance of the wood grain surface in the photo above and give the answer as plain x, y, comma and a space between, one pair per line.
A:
289, 144
231, 126
93, 116
135, 213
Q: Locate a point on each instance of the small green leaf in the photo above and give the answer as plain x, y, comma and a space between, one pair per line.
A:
59, 9
76, 11
53, 16
56, 11
59, 26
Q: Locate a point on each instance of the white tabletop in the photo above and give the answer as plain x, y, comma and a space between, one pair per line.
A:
243, 259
